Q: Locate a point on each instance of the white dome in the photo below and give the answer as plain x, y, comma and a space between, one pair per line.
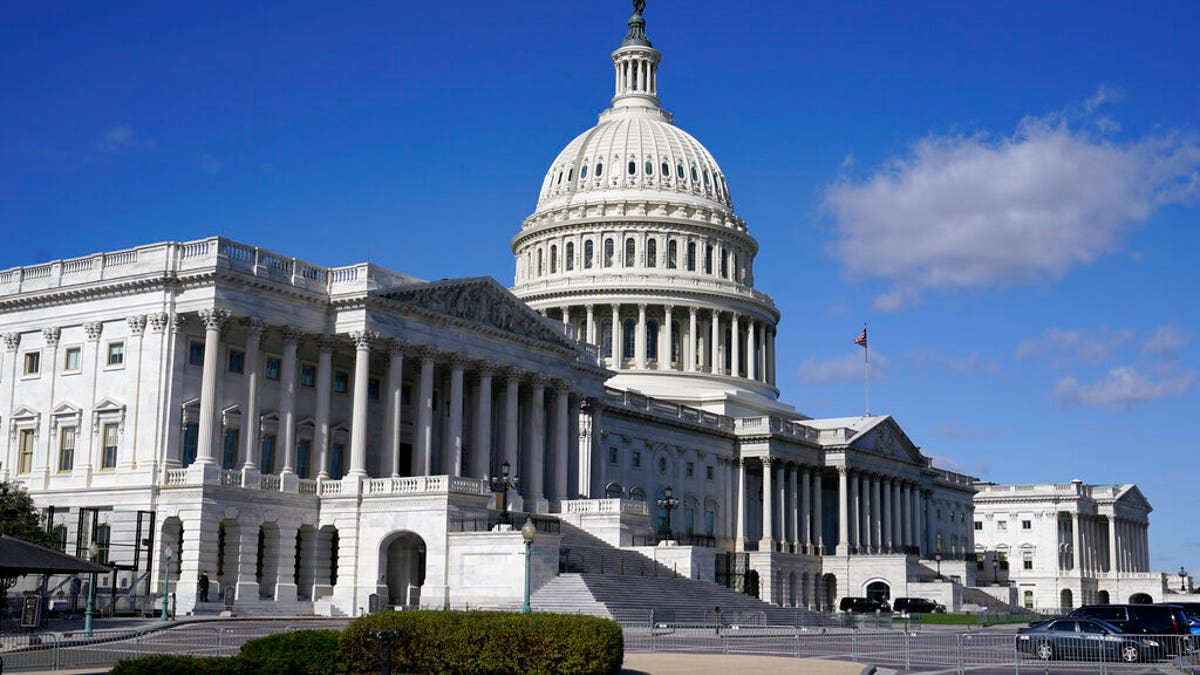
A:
633, 150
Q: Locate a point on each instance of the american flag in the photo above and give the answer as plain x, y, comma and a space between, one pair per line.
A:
861, 340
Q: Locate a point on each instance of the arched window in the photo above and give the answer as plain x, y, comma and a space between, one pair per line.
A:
661, 524
691, 256
679, 171
630, 252
652, 253
583, 171
666, 170
632, 167
672, 254
725, 265
608, 252
606, 339
695, 178
675, 342
652, 340
614, 490
553, 258
708, 259
559, 181
649, 168
589, 252
637, 494
539, 262
571, 174
630, 340
599, 169
569, 263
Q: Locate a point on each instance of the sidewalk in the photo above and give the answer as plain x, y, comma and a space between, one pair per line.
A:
723, 664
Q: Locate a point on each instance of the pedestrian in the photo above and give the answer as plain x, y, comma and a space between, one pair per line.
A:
202, 585
76, 586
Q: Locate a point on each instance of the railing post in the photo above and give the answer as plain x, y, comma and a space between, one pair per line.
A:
959, 655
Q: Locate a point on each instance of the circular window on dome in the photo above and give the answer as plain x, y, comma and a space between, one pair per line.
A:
583, 171
632, 168
599, 169
679, 171
649, 168
694, 176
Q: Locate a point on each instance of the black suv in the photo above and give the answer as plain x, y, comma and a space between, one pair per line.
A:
1145, 619
917, 606
863, 605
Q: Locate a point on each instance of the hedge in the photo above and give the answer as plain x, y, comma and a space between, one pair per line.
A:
303, 652
179, 664
485, 642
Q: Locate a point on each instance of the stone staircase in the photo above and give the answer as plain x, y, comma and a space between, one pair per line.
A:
257, 608
987, 603
626, 586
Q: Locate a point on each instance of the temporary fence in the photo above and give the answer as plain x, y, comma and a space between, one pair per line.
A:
941, 650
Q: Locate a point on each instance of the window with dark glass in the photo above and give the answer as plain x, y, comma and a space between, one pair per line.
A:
116, 353
196, 353
237, 361
630, 252
25, 451
266, 460
691, 256
569, 263
191, 440
108, 458
652, 340
308, 375
652, 253
303, 450
630, 337
271, 369
708, 259
632, 167
337, 458
373, 388
672, 254
553, 259
66, 448
341, 382
33, 363
606, 339
588, 254
609, 252
229, 450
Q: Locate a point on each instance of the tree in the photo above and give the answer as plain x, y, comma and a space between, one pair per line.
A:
19, 516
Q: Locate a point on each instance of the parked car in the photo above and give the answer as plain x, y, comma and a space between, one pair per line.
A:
917, 606
1145, 620
863, 605
1086, 639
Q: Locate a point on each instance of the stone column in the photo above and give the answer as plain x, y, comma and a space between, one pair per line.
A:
876, 515
691, 351
739, 542
595, 479
562, 439
917, 539
363, 340
885, 542
452, 453
751, 355
866, 513
325, 345
511, 410
771, 356
906, 514
762, 351
287, 401
285, 580
395, 404
793, 508
481, 445
214, 320
639, 344
1075, 541
133, 365
715, 347
855, 516
615, 338
566, 319
668, 331
843, 546
43, 451
250, 411
768, 525
591, 324
422, 456
806, 510
537, 440
735, 338
818, 516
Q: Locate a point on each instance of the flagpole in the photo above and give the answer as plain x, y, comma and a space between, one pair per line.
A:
867, 372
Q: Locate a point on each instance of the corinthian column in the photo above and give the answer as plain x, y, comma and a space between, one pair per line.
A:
214, 320
768, 526
254, 331
363, 340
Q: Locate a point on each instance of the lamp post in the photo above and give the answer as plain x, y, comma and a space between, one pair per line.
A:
1183, 575
93, 552
668, 504
528, 532
937, 557
166, 583
501, 485
996, 568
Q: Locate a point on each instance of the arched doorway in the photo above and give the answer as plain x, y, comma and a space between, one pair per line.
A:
752, 583
1066, 600
1140, 599
880, 591
827, 597
1102, 598
404, 560
793, 599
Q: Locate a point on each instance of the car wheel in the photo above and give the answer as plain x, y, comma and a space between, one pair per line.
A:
1130, 653
1044, 651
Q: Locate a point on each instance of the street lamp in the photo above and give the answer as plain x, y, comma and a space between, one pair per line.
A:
93, 553
995, 568
501, 485
166, 583
528, 532
938, 558
1183, 575
668, 504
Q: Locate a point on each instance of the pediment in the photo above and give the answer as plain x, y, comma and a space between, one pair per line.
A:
109, 405
1132, 496
886, 438
24, 413
66, 410
483, 302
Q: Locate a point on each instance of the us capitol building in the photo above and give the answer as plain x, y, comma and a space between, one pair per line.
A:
335, 440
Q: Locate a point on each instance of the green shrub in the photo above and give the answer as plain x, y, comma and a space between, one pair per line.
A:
178, 664
485, 642
304, 652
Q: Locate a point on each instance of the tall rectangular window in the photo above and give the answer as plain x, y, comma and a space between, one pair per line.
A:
689, 520
229, 449
308, 375
237, 361
672, 254
116, 354
196, 353
271, 369
66, 448
108, 459
710, 518
25, 451
72, 359
191, 441
691, 256
33, 363
337, 460
373, 388
103, 543
341, 383
303, 450
266, 461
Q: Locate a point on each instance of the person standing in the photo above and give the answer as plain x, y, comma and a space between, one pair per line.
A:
202, 586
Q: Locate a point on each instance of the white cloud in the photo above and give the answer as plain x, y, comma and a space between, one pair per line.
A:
1104, 94
1166, 342
1125, 386
967, 211
1067, 347
209, 163
121, 138
847, 368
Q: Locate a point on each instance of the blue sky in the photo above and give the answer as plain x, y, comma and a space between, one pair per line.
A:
1006, 192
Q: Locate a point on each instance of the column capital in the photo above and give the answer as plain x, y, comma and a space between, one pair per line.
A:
843, 470
590, 307
716, 313
667, 308
12, 341
562, 385
326, 343
136, 323
254, 326
512, 373
642, 306
291, 335
425, 352
158, 321
52, 335
178, 323
767, 461
539, 379
364, 339
489, 368
214, 318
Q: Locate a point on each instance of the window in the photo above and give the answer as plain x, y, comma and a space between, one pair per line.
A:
1026, 524
690, 469
709, 472
1003, 560
632, 167
725, 266
1002, 525
708, 259
539, 262
662, 464
978, 525
609, 252
66, 448
672, 254
196, 353
589, 253
691, 256
636, 459
630, 339
710, 518
229, 449
689, 520
191, 440
308, 375
553, 258
979, 560
33, 363
271, 370
60, 537
303, 450
71, 360
569, 263
1027, 599
695, 178
666, 170
25, 451
652, 253
1027, 561
630, 252
599, 169
613, 455
237, 361
108, 460
606, 339
341, 382
103, 543
373, 388
679, 171
583, 171
116, 354
266, 460
337, 457
652, 340
649, 168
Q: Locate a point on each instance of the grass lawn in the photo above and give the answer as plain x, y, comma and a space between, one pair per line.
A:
971, 619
